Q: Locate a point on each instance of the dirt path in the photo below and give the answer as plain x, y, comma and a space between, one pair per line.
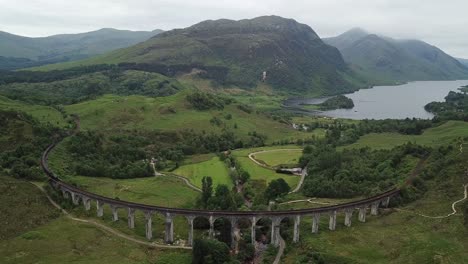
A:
301, 181
282, 245
104, 227
303, 173
187, 182
309, 201
264, 151
454, 209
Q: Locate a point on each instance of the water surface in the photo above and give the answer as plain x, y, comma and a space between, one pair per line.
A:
381, 102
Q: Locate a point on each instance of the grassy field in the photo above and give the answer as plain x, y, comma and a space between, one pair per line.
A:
45, 114
173, 113
279, 157
438, 136
34, 232
161, 190
23, 207
395, 236
67, 241
212, 167
259, 173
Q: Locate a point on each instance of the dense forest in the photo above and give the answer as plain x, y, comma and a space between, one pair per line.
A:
357, 172
22, 140
455, 107
91, 85
337, 102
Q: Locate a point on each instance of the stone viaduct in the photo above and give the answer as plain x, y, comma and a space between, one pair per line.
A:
348, 209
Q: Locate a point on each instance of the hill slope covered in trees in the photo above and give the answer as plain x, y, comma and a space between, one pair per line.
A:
384, 59
20, 52
293, 56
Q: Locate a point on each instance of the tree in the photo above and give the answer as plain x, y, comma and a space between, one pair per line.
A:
207, 190
276, 188
223, 199
208, 251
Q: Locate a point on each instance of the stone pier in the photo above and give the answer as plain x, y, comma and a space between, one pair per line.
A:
362, 214
332, 222
131, 218
374, 208
211, 232
275, 231
233, 221
386, 202
115, 215
190, 234
297, 222
65, 194
100, 208
86, 203
348, 216
252, 229
149, 228
75, 198
169, 233
315, 223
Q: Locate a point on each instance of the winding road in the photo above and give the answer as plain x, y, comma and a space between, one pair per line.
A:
454, 209
303, 173
104, 227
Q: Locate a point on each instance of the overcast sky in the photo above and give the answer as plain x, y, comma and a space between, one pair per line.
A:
441, 23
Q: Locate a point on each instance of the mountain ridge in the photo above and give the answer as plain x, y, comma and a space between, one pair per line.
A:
292, 54
385, 59
20, 51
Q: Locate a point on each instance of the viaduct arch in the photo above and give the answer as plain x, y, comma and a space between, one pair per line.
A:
330, 212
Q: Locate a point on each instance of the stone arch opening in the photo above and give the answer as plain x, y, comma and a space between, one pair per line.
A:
224, 230
262, 232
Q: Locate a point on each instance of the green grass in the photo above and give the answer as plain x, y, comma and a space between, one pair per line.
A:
23, 207
279, 157
396, 236
213, 167
258, 173
172, 113
67, 241
161, 190
44, 114
438, 136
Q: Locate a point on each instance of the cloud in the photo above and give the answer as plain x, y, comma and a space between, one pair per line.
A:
441, 23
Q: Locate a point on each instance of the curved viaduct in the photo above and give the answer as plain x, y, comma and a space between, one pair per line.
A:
276, 217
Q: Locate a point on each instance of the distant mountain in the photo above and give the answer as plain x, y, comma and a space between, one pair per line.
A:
383, 59
293, 56
19, 52
463, 61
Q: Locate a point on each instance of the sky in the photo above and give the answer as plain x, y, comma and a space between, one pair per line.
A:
440, 23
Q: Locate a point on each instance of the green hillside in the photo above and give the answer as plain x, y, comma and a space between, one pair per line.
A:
21, 52
293, 56
174, 113
90, 85
382, 59
433, 137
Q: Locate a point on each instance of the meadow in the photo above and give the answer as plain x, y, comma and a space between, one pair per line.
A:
44, 114
395, 236
437, 136
258, 173
173, 113
278, 157
212, 166
65, 241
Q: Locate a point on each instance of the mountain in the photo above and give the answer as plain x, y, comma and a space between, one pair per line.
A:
463, 61
19, 52
293, 56
383, 59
